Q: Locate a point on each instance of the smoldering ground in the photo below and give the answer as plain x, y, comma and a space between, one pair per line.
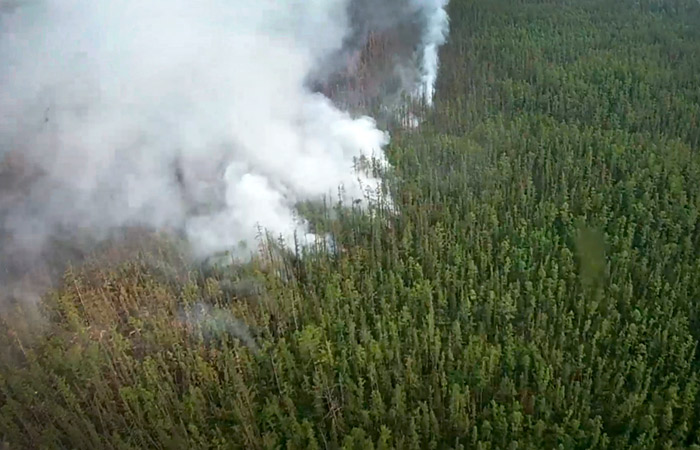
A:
197, 117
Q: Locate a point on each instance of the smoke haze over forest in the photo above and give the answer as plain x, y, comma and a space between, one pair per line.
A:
526, 276
199, 117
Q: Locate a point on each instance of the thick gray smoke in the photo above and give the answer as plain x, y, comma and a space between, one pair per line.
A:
190, 115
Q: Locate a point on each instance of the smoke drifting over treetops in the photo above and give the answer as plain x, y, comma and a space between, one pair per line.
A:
391, 48
198, 116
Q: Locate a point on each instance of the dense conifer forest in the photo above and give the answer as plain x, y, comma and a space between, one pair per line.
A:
535, 282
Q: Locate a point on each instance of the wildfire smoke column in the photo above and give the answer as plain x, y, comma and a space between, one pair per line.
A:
193, 116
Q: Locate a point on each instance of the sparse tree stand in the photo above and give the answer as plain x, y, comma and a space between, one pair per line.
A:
535, 285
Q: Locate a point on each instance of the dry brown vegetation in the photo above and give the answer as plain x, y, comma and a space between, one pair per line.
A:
535, 287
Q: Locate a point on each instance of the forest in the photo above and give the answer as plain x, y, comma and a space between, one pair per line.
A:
534, 283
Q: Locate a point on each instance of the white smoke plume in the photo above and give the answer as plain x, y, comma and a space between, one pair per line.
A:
194, 116
390, 52
434, 36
